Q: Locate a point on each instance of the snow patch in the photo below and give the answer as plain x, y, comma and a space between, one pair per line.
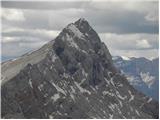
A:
119, 111
132, 96
86, 34
75, 30
45, 95
84, 73
65, 75
72, 97
51, 117
82, 81
115, 58
40, 87
30, 83
51, 67
71, 42
112, 82
123, 98
73, 90
45, 71
112, 106
82, 90
106, 92
120, 102
15, 59
109, 74
100, 101
54, 58
96, 87
107, 81
137, 112
120, 85
87, 99
131, 109
59, 89
125, 58
84, 51
93, 88
149, 100
55, 97
59, 113
147, 79
133, 80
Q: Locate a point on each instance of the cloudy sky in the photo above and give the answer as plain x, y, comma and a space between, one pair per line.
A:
129, 28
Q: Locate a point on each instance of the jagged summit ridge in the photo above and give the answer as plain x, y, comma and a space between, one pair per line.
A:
69, 33
83, 41
81, 28
75, 79
83, 24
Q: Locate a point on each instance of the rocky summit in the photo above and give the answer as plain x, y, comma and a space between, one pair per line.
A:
72, 76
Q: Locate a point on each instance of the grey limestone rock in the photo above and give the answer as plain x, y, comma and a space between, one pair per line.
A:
75, 79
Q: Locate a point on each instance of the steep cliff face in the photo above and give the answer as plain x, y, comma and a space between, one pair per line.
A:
72, 76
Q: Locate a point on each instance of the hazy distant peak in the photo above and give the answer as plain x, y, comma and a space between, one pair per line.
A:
125, 58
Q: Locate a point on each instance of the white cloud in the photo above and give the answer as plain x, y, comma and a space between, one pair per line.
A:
142, 44
35, 45
12, 14
132, 45
152, 16
19, 35
18, 41
149, 53
8, 39
128, 17
27, 26
14, 49
130, 41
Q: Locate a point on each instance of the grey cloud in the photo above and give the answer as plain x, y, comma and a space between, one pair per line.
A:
19, 47
24, 34
121, 22
150, 54
49, 20
126, 22
42, 5
112, 17
130, 41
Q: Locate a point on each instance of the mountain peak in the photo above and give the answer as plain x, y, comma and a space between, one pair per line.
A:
83, 25
81, 20
81, 29
80, 23
74, 75
72, 28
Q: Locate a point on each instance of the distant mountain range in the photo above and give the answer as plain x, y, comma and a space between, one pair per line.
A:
142, 73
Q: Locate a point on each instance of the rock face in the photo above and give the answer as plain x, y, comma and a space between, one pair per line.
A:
75, 79
142, 74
